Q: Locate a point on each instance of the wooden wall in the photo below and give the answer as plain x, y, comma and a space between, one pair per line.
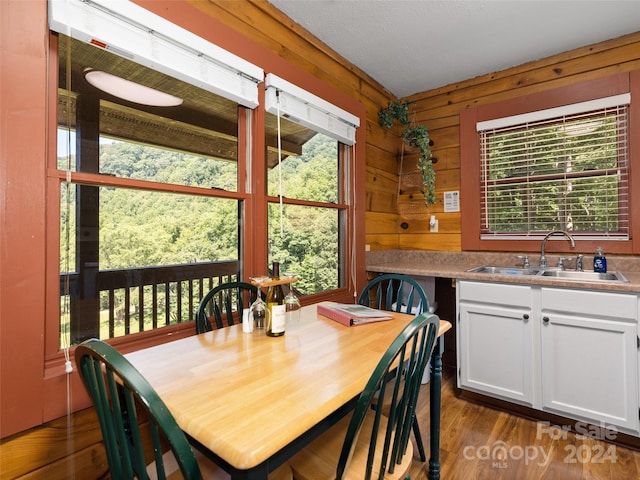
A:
65, 448
438, 109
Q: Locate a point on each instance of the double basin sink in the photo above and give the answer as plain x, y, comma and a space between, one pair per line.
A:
552, 273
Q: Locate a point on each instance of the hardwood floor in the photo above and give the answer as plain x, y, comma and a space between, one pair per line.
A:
483, 443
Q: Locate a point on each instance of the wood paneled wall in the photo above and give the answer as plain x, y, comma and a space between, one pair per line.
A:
439, 110
66, 448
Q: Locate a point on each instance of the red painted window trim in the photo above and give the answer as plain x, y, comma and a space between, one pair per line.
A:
470, 160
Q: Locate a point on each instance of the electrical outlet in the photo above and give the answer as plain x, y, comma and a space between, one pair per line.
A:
433, 226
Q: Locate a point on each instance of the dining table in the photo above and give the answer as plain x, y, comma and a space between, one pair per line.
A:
249, 401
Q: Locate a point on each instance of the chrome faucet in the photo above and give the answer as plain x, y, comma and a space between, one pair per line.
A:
561, 263
543, 258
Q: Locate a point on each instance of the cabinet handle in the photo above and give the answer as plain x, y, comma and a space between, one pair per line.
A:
525, 316
545, 319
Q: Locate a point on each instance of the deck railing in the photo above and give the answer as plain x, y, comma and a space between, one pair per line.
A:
124, 301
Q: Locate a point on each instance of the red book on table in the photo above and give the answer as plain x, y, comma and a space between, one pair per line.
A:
352, 314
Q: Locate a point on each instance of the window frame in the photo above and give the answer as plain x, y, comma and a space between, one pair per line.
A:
55, 179
470, 151
341, 207
294, 105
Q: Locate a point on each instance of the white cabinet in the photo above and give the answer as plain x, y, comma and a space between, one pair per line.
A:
495, 340
567, 351
589, 356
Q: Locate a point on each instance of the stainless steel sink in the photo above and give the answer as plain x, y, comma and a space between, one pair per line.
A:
505, 270
585, 276
552, 273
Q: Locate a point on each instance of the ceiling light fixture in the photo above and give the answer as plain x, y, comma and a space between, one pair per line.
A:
131, 91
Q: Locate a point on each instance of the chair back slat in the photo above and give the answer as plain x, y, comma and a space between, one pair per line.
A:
132, 432
223, 304
95, 382
395, 292
410, 298
124, 400
409, 354
157, 451
390, 294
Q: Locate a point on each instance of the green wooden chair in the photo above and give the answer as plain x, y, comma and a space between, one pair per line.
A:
224, 305
120, 393
399, 293
141, 437
395, 292
370, 444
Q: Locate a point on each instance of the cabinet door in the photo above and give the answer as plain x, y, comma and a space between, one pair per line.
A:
589, 369
495, 351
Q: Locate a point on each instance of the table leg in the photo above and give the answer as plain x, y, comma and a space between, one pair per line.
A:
258, 473
435, 395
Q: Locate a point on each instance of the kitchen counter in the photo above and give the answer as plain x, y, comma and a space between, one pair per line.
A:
455, 265
535, 367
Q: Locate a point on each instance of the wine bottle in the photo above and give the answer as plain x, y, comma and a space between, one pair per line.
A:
276, 309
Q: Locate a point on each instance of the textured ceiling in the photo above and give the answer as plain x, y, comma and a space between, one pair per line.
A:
410, 46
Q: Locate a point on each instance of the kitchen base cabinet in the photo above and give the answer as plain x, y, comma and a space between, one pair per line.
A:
589, 357
568, 352
495, 340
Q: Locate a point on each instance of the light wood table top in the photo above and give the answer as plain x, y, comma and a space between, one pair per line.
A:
246, 396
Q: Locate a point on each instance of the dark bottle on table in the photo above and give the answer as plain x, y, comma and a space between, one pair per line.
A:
276, 309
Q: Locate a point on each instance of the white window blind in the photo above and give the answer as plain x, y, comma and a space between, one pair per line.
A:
544, 171
133, 32
305, 108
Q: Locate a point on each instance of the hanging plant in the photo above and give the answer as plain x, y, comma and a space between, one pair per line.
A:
416, 137
395, 111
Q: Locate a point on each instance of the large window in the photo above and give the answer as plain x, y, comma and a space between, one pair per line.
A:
307, 156
304, 227
153, 199
163, 192
150, 208
563, 168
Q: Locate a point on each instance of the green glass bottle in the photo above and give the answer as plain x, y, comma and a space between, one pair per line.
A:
276, 309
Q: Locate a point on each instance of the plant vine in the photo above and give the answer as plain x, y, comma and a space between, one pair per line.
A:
417, 137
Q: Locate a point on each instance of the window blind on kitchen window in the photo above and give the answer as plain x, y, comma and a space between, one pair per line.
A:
562, 168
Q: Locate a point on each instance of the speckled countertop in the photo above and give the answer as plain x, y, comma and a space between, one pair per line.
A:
456, 264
